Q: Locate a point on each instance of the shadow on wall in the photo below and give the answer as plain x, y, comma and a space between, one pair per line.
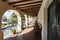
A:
38, 30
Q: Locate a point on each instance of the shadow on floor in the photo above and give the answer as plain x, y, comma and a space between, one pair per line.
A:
27, 36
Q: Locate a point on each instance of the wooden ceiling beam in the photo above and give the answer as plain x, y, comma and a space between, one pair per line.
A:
29, 5
28, 2
35, 6
11, 0
32, 11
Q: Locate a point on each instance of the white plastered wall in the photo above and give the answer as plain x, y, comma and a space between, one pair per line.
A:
42, 17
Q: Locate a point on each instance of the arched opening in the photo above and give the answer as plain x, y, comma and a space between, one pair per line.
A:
25, 20
28, 21
11, 22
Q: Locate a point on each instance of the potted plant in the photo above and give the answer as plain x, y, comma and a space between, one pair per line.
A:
14, 31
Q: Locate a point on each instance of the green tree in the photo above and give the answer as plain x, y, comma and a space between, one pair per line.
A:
13, 15
13, 19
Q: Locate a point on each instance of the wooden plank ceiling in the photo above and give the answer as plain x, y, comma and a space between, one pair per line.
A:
30, 7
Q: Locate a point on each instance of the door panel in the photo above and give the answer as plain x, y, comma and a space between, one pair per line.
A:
52, 20
58, 19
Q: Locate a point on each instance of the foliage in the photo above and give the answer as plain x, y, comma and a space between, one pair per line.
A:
14, 31
13, 15
13, 19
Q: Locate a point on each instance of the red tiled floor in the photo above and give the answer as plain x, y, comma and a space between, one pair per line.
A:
28, 34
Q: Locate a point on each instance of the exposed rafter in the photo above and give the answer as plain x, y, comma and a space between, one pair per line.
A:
11, 0
24, 8
30, 7
28, 2
27, 5
18, 1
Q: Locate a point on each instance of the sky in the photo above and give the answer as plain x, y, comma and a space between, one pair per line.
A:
8, 13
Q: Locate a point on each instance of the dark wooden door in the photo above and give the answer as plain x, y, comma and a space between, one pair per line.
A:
58, 18
52, 22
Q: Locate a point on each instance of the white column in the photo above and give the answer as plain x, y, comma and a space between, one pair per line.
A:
19, 24
26, 21
29, 19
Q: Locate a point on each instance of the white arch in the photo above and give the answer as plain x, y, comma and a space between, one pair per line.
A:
19, 19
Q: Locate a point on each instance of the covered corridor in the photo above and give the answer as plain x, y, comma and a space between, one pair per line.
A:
26, 34
26, 27
32, 19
